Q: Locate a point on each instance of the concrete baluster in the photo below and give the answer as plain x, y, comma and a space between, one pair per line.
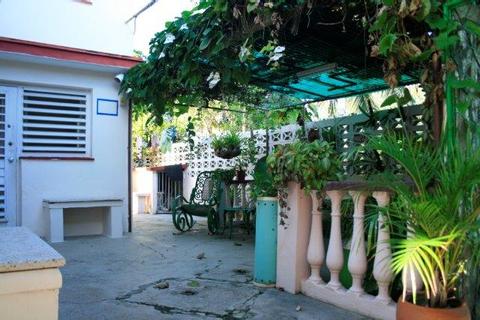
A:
382, 270
316, 250
357, 261
335, 245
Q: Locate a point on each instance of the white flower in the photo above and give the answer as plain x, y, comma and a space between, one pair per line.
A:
200, 11
169, 38
184, 27
268, 4
279, 49
213, 79
244, 52
129, 90
275, 57
161, 55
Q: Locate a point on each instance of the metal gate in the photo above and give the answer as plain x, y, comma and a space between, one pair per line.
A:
168, 190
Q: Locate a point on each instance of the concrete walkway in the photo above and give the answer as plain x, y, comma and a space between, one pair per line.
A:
207, 278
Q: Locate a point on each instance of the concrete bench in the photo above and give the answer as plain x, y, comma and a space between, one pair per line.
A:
113, 226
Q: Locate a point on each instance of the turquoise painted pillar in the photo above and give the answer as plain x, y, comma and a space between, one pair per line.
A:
265, 271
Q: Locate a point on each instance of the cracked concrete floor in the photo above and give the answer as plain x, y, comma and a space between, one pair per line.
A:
123, 278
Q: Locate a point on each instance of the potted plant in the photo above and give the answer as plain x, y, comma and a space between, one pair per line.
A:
436, 223
311, 164
246, 158
227, 146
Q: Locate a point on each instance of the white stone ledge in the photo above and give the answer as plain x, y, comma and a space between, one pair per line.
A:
364, 304
22, 250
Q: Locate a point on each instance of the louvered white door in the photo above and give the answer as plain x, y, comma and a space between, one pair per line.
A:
8, 155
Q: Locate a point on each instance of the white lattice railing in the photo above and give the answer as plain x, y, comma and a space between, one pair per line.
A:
304, 255
205, 160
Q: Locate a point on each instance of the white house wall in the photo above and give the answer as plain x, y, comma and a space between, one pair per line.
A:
105, 176
99, 26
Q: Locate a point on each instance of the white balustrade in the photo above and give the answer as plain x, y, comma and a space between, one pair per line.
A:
357, 261
354, 298
316, 249
335, 245
383, 253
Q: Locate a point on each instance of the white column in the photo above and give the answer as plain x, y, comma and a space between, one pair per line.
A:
292, 241
56, 224
316, 250
357, 261
113, 222
382, 270
335, 245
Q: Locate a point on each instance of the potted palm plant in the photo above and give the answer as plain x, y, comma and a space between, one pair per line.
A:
436, 226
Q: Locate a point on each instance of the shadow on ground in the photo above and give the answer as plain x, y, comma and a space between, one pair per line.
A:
155, 273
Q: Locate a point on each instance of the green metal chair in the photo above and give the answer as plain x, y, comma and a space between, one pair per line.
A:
203, 202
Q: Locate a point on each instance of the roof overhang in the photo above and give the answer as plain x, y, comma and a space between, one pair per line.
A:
35, 52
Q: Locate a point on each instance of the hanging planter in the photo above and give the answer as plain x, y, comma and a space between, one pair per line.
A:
227, 146
227, 153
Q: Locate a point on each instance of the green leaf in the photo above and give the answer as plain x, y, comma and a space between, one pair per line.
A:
380, 22
437, 22
462, 106
205, 43
426, 8
473, 27
444, 41
463, 84
193, 284
386, 43
252, 5
389, 101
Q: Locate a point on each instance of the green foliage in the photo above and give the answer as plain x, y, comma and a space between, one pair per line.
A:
228, 141
208, 54
310, 164
263, 181
224, 175
437, 219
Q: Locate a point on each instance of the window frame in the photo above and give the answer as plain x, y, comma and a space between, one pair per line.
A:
56, 155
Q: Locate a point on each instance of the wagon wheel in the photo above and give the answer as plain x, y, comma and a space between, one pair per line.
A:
212, 221
182, 221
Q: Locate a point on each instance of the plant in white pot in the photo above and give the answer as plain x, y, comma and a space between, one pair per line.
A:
436, 225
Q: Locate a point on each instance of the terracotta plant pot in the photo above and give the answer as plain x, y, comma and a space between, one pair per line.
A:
410, 311
241, 175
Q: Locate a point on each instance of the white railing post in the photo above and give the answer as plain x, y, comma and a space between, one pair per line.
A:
335, 245
316, 250
382, 270
357, 261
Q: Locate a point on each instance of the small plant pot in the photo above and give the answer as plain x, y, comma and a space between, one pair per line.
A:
241, 174
227, 153
313, 134
410, 311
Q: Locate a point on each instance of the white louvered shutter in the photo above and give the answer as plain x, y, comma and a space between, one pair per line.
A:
55, 123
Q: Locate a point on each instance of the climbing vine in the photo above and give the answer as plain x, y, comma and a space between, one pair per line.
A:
423, 36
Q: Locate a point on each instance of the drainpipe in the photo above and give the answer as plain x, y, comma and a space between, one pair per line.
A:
129, 150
